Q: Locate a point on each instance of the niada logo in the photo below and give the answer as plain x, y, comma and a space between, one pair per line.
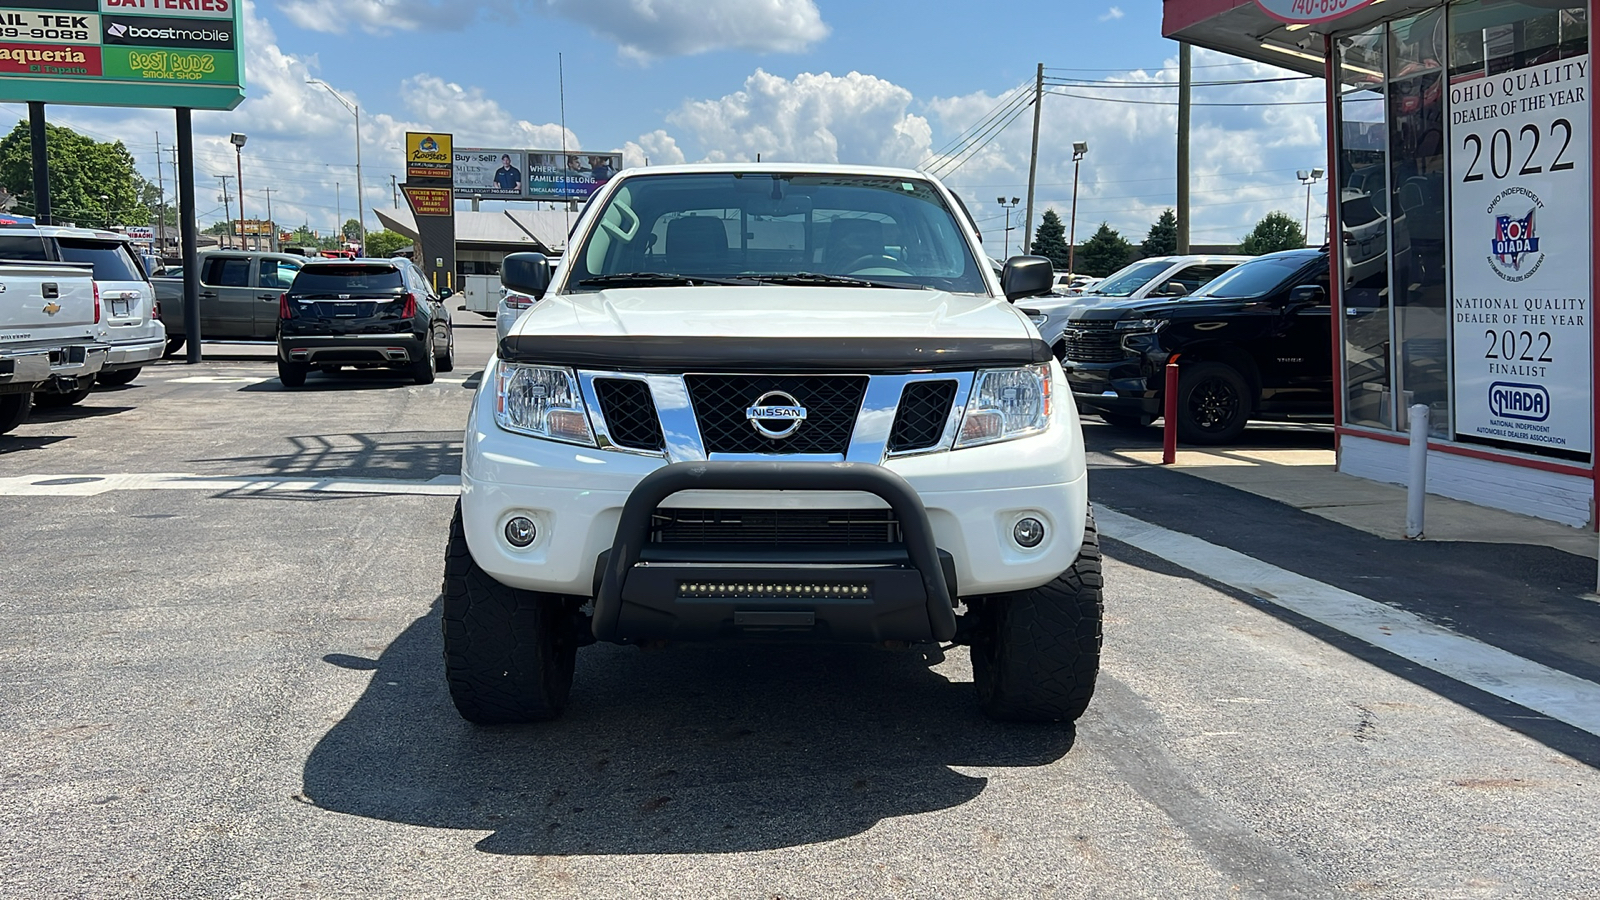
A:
1514, 252
1528, 402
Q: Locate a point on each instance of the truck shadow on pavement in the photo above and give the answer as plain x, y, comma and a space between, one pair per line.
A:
693, 749
373, 454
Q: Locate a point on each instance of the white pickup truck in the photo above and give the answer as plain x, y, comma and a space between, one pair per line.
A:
53, 336
773, 403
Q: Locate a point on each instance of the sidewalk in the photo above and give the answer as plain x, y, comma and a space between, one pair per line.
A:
1306, 480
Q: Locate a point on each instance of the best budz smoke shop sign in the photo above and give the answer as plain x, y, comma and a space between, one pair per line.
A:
1519, 221
122, 52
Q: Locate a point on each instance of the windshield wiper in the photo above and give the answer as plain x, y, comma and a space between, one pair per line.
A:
656, 279
841, 280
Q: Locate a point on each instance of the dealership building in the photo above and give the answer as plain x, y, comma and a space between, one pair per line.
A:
1462, 203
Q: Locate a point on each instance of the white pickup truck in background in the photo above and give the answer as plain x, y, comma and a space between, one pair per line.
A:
53, 334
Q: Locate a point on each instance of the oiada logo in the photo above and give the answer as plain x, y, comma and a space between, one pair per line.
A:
1528, 402
1514, 252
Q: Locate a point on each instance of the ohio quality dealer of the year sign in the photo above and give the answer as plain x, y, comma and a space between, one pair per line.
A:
1520, 256
157, 53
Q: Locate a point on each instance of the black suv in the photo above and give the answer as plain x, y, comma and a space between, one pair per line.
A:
367, 313
1254, 343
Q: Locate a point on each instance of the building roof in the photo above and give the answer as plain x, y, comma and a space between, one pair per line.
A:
513, 229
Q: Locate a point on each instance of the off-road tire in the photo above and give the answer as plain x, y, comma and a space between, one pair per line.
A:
14, 410
422, 370
292, 374
46, 400
119, 377
508, 654
174, 344
1214, 403
1037, 652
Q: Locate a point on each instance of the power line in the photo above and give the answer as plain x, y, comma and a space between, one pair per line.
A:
1175, 103
1090, 83
1008, 105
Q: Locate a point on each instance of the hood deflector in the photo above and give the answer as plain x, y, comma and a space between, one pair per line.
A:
672, 354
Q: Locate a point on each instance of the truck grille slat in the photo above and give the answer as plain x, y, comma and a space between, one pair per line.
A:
1091, 342
924, 411
774, 527
630, 413
831, 403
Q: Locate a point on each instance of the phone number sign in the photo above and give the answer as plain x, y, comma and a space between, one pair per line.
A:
158, 53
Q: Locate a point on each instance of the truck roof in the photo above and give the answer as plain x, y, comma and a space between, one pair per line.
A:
68, 231
791, 168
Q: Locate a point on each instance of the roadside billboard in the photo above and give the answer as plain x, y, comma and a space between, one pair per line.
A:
175, 53
489, 173
428, 157
532, 174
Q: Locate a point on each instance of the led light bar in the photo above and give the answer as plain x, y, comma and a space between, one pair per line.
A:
772, 590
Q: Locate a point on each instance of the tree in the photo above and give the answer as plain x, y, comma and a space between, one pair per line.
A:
351, 230
91, 183
1104, 253
1051, 240
384, 243
1163, 237
1276, 231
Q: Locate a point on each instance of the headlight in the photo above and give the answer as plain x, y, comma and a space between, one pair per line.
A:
1141, 324
542, 401
1038, 320
1006, 404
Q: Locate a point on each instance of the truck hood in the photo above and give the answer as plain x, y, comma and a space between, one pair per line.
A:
771, 311
773, 327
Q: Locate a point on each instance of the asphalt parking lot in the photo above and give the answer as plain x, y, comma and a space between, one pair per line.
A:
222, 679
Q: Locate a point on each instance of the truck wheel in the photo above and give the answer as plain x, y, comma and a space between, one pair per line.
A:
447, 362
119, 377
292, 375
422, 370
59, 401
1214, 403
14, 409
508, 654
174, 344
1036, 653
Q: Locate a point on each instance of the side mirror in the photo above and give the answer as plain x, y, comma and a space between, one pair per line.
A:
1307, 295
526, 273
447, 293
1176, 289
1027, 276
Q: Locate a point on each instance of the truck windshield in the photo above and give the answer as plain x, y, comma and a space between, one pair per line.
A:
758, 228
346, 279
1255, 278
1124, 282
112, 260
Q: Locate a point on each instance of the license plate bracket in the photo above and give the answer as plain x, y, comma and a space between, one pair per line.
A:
120, 309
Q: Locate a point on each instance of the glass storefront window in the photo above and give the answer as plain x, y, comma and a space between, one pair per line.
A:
1418, 281
1364, 228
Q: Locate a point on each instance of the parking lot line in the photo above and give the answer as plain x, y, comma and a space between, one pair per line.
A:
1554, 693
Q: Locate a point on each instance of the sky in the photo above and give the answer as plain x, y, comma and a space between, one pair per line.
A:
882, 82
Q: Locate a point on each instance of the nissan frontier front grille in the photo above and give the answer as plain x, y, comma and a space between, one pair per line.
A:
722, 402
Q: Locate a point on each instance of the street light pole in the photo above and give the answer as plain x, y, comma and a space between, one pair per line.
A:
237, 140
1008, 207
355, 108
1308, 178
1079, 148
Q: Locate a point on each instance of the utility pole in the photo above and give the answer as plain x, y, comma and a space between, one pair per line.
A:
1033, 158
227, 202
161, 215
1183, 148
272, 242
394, 188
338, 217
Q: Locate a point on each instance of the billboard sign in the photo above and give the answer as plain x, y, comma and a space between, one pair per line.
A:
1520, 272
428, 157
175, 53
532, 174
430, 201
489, 173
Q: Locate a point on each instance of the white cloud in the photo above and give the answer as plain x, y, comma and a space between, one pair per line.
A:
814, 118
1114, 12
642, 29
656, 148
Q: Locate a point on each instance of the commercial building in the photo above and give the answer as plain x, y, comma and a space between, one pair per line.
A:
1461, 143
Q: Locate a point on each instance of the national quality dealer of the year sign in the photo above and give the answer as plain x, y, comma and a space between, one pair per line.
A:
122, 52
1519, 222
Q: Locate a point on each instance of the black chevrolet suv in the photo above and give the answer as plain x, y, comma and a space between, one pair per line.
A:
366, 313
1252, 344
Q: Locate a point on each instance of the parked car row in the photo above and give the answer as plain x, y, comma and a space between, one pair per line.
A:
76, 307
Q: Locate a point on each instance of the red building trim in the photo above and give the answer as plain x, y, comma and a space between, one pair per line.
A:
1176, 15
1594, 251
1389, 437
1335, 237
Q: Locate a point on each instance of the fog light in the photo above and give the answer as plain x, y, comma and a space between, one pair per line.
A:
520, 531
1028, 532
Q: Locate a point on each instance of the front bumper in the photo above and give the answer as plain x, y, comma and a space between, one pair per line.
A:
59, 367
575, 495
1124, 387
353, 349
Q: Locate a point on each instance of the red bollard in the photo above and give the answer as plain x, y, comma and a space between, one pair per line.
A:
1169, 414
